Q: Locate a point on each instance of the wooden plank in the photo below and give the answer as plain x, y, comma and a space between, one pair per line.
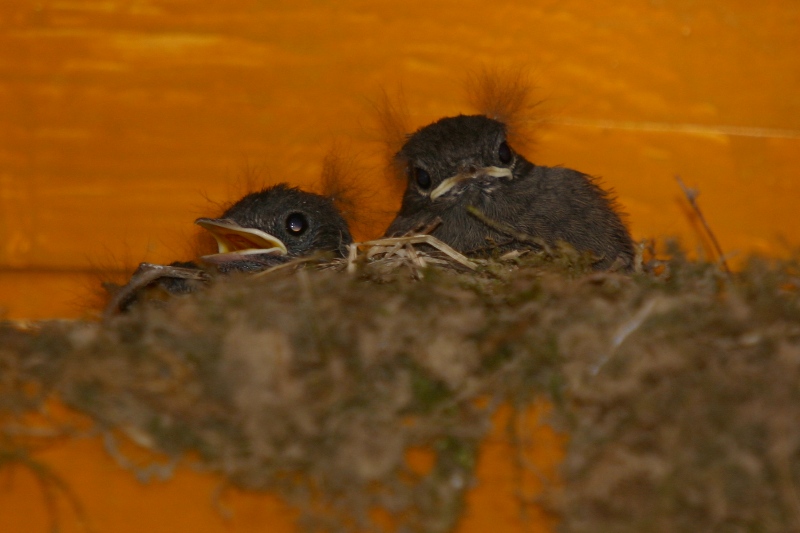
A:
513, 476
120, 120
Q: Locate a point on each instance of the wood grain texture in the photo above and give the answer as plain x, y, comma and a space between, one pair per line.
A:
122, 121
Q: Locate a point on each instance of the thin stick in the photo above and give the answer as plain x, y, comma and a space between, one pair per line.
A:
426, 230
691, 195
430, 240
508, 230
415, 257
352, 255
288, 264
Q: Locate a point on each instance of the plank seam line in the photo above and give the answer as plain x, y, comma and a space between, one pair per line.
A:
697, 129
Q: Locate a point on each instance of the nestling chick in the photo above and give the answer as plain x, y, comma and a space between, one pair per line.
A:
263, 229
275, 225
466, 161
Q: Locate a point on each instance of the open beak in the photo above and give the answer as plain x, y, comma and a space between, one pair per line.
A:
445, 186
235, 240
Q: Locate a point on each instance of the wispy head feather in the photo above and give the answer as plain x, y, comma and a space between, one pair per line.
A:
342, 182
506, 94
393, 124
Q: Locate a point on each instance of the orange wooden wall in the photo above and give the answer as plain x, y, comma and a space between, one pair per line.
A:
91, 492
118, 119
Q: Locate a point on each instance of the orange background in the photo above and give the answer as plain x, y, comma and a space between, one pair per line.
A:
120, 119
102, 496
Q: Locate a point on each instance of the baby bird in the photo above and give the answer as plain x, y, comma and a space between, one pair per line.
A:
275, 225
263, 229
462, 171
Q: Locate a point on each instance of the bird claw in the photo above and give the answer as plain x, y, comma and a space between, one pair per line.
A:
146, 274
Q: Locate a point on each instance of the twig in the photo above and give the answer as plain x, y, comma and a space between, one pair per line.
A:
624, 330
430, 240
427, 230
352, 255
508, 230
415, 257
691, 195
289, 264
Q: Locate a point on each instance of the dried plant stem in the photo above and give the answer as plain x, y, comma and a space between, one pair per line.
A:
691, 195
430, 240
294, 263
508, 230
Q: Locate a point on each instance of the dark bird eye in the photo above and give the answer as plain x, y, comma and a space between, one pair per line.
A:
296, 224
504, 153
423, 178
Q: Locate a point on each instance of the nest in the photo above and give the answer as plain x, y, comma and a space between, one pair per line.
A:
677, 384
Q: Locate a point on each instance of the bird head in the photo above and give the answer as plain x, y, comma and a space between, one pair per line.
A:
443, 158
278, 221
448, 158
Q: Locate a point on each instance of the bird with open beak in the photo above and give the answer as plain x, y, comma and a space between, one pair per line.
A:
275, 225
262, 230
463, 171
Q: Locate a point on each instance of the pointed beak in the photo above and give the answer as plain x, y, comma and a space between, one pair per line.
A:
445, 186
235, 239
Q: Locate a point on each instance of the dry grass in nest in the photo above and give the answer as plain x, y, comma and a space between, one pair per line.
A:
677, 384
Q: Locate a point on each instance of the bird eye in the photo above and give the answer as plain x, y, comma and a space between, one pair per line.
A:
423, 178
296, 224
504, 153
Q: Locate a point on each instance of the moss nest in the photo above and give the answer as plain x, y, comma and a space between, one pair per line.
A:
679, 385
